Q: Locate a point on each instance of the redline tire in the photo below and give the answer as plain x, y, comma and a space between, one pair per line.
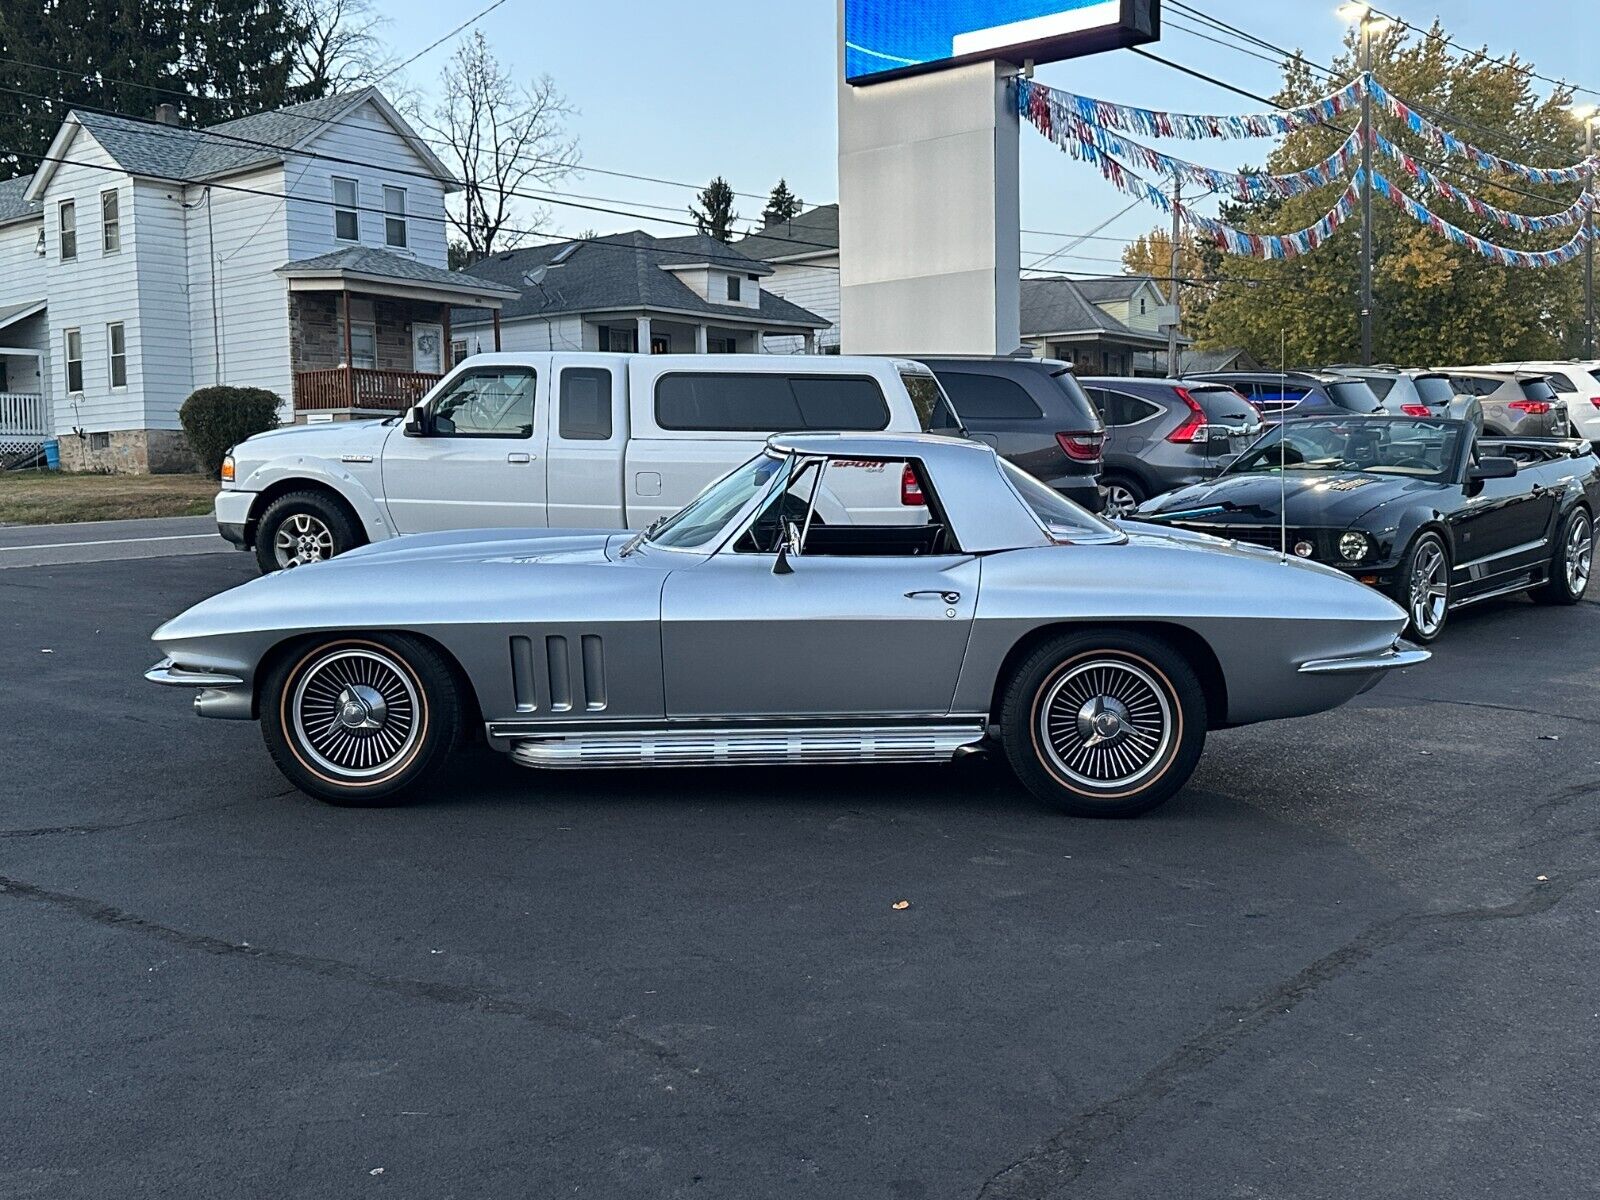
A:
1104, 723
361, 720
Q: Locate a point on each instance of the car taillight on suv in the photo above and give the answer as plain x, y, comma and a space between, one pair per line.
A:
911, 489
1534, 408
1416, 410
1194, 427
1082, 447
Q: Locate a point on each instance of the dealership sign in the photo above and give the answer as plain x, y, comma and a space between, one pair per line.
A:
884, 39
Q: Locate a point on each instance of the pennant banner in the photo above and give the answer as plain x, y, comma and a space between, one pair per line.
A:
1278, 245
1500, 254
1523, 223
1063, 124
1451, 144
1151, 123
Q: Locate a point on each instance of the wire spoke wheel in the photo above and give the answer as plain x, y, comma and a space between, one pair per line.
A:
1105, 724
356, 713
1429, 589
1579, 552
302, 538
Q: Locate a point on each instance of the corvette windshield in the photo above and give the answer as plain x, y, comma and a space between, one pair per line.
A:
1425, 449
707, 514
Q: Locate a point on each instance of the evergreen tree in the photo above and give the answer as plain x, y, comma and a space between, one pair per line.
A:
227, 42
715, 215
783, 205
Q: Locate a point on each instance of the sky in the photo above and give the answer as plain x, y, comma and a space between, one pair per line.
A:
687, 89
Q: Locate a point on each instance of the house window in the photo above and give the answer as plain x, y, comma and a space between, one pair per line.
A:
619, 341
1141, 305
69, 231
363, 343
74, 357
117, 354
458, 351
394, 216
110, 223
721, 345
733, 287
346, 205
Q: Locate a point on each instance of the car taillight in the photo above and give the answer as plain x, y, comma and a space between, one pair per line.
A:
1082, 447
1595, 400
1194, 428
1416, 410
1534, 408
911, 490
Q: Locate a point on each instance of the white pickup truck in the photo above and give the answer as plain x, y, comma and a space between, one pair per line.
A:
582, 441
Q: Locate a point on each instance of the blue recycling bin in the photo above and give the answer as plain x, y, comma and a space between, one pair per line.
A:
52, 455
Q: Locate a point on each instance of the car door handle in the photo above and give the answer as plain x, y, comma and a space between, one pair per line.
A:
519, 458
947, 597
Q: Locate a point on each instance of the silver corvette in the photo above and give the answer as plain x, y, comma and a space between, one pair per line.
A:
986, 612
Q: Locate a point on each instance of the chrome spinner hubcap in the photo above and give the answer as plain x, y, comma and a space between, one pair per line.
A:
302, 539
355, 713
1580, 553
1430, 589
1105, 724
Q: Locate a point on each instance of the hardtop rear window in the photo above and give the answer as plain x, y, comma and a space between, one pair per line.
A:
768, 402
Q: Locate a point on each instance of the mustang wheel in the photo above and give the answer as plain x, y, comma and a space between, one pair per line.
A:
1571, 561
1423, 588
360, 720
1104, 724
300, 528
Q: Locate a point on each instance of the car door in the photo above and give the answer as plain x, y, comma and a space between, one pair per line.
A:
1503, 526
478, 462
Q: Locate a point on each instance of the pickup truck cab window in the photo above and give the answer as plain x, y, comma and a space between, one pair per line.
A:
492, 402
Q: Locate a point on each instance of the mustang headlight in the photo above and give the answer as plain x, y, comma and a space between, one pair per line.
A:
1353, 546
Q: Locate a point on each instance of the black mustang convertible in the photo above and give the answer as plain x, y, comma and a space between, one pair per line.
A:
1420, 508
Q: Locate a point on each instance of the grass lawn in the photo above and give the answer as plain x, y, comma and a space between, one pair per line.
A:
52, 497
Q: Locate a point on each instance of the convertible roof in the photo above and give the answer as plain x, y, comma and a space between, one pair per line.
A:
983, 510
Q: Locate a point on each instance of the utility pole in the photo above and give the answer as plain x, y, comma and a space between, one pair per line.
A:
1588, 244
1366, 194
1172, 283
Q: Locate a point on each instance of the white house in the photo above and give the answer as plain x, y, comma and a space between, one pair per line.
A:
804, 256
635, 292
301, 250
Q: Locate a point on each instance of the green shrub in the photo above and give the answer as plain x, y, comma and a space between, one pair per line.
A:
215, 419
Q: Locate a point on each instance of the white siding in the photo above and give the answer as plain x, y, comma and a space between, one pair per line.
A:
160, 356
813, 286
94, 290
362, 141
530, 333
236, 243
22, 280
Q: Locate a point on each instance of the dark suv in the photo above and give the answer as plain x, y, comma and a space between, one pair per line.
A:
1163, 434
1034, 413
1299, 393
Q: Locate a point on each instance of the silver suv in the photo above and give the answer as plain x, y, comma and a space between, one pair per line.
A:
1515, 403
1413, 393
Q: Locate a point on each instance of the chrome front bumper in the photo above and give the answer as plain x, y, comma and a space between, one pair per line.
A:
217, 693
1401, 654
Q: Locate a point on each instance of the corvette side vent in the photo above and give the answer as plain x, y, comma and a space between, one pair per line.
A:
555, 653
562, 673
523, 687
594, 673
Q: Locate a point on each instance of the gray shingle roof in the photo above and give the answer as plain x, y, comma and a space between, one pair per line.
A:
12, 205
175, 152
815, 231
368, 261
623, 271
1111, 287
1059, 306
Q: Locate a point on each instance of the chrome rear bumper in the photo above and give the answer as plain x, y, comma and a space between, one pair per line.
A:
1401, 654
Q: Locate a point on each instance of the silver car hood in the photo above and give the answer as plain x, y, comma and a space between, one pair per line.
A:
486, 545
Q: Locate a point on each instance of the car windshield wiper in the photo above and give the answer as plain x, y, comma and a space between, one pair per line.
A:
640, 538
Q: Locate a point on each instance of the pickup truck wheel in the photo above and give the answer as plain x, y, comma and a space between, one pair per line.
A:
360, 721
303, 527
1103, 724
1571, 561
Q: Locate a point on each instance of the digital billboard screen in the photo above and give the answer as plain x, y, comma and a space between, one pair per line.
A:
884, 39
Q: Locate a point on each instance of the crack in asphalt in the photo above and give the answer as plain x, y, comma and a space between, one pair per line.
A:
1509, 708
454, 995
111, 826
1049, 1168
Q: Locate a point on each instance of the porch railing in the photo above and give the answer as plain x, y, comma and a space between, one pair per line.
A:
359, 387
24, 415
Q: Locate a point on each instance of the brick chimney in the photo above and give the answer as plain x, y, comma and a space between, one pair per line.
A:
166, 114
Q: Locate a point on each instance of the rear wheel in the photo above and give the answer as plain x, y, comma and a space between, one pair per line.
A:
1571, 561
1423, 587
1123, 495
361, 721
303, 527
1104, 724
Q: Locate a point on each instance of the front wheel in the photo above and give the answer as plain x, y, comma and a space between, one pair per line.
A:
301, 528
1570, 562
360, 721
1423, 588
1104, 724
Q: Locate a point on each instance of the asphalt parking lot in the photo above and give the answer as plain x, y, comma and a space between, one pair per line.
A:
1356, 957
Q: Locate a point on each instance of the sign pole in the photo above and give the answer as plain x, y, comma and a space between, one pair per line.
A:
1172, 283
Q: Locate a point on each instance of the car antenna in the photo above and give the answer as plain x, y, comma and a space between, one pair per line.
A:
1283, 453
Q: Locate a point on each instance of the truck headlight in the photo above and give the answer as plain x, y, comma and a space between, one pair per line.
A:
226, 474
1353, 546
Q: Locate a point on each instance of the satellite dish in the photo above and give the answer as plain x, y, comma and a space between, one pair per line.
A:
535, 277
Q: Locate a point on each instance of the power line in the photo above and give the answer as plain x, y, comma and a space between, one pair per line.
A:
437, 42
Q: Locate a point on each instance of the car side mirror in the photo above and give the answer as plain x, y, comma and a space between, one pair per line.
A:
789, 545
1493, 467
416, 423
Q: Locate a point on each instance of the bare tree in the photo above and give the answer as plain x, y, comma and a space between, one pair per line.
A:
339, 47
497, 135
